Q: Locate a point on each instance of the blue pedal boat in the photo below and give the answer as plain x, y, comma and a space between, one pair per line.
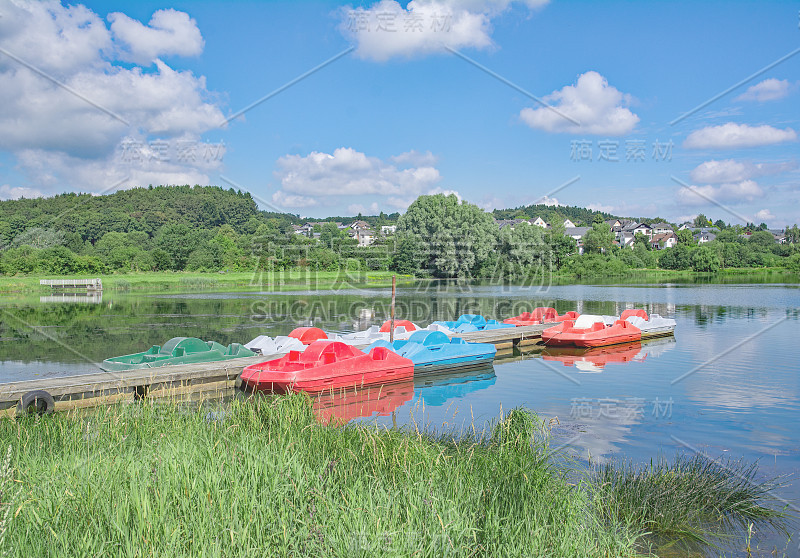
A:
467, 323
433, 350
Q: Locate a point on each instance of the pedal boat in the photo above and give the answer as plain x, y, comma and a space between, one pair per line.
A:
178, 350
433, 350
590, 331
328, 365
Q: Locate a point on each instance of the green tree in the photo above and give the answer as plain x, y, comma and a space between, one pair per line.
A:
598, 239
453, 236
705, 259
685, 237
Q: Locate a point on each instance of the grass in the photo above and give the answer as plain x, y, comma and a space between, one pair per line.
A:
692, 498
169, 281
265, 479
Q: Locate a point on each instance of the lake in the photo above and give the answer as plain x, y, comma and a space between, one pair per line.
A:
727, 384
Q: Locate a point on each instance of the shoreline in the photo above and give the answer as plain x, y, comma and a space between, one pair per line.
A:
302, 279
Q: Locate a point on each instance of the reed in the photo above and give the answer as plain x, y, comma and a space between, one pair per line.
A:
691, 498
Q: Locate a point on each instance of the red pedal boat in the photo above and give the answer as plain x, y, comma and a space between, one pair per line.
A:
328, 365
540, 315
590, 331
387, 325
308, 335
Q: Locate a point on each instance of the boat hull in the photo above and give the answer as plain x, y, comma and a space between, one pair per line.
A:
327, 365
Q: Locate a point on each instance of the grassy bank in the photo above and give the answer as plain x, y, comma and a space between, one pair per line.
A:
263, 478
268, 480
181, 281
299, 279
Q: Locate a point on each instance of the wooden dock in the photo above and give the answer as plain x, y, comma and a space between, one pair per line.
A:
88, 285
106, 387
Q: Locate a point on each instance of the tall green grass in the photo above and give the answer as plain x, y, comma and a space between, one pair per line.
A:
264, 478
691, 498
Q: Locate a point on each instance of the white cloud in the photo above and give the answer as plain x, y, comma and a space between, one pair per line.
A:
746, 190
768, 90
348, 172
733, 135
133, 163
169, 32
57, 39
415, 158
597, 106
282, 199
386, 29
14, 193
79, 133
547, 200
356, 208
764, 215
731, 170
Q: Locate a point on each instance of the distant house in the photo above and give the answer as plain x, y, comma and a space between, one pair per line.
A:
615, 224
510, 223
359, 225
539, 222
661, 228
568, 224
685, 226
388, 229
703, 237
625, 239
664, 240
365, 237
778, 235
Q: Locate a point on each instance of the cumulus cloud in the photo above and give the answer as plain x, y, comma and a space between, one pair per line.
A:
731, 170
282, 199
78, 127
746, 190
764, 215
733, 135
768, 90
14, 193
547, 200
169, 32
386, 29
347, 172
134, 162
598, 107
356, 208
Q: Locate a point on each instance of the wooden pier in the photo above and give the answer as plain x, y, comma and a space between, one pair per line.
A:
61, 285
107, 387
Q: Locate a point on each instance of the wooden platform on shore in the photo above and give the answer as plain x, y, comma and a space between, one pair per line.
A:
106, 387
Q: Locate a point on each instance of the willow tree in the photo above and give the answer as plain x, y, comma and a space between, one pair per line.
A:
453, 237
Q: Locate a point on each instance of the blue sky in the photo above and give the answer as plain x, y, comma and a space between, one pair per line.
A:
109, 95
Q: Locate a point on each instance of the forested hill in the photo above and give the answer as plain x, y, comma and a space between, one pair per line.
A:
550, 213
554, 214
139, 209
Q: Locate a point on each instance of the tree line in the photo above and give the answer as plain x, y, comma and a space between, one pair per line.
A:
197, 228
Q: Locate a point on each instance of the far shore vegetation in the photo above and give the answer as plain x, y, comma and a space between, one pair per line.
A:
189, 237
264, 477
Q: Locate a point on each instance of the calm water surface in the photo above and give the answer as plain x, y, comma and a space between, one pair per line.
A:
727, 384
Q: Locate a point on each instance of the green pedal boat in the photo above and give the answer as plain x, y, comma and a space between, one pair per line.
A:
178, 350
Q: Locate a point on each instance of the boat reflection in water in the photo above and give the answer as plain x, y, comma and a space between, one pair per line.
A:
594, 360
340, 406
436, 389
